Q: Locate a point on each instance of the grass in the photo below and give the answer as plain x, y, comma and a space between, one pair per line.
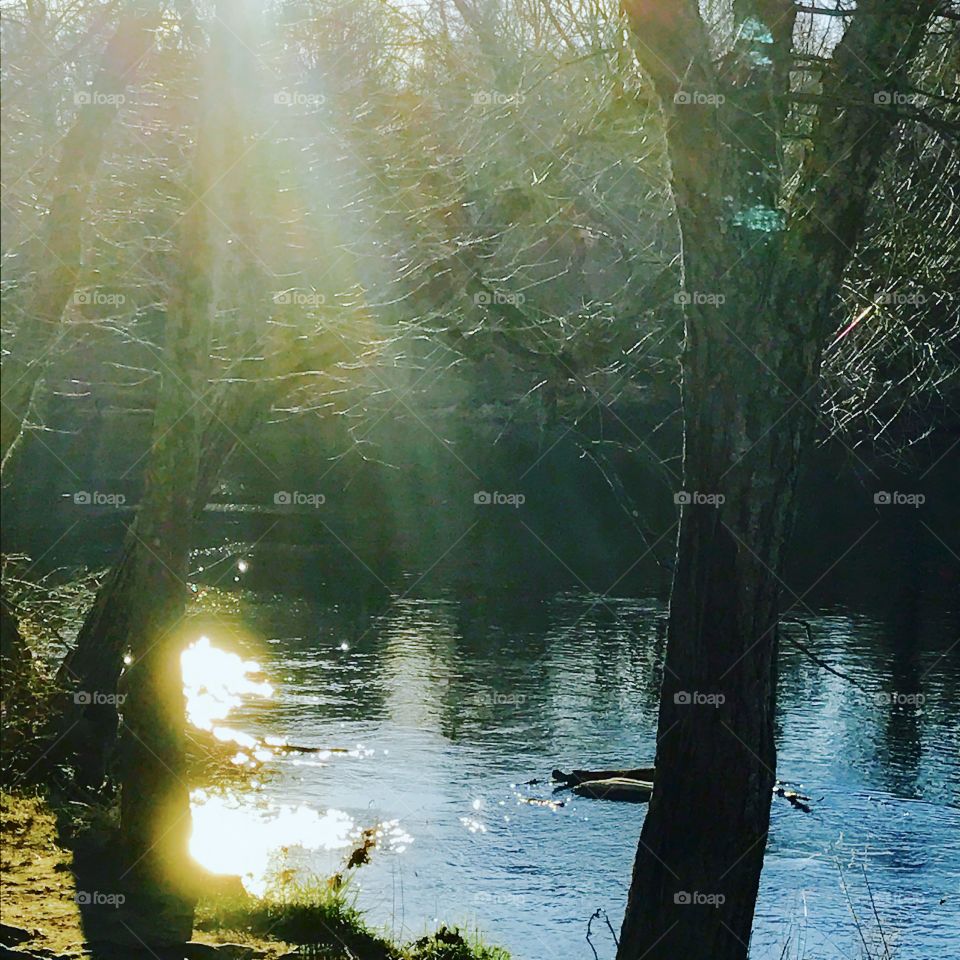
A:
320, 915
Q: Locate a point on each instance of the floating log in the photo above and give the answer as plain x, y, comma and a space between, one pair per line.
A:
797, 800
615, 788
581, 776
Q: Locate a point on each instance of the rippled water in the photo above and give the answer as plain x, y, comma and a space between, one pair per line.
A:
447, 709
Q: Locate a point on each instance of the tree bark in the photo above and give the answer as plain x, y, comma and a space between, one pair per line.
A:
761, 274
96, 659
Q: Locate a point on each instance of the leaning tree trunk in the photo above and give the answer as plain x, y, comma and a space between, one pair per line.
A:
96, 659
761, 276
61, 237
155, 805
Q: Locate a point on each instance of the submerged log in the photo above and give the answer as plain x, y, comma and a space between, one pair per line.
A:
615, 788
581, 776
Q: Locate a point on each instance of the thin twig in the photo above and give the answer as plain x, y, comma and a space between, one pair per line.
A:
817, 660
853, 913
597, 914
876, 916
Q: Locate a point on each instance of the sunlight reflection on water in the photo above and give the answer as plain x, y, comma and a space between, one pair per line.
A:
234, 836
242, 835
215, 682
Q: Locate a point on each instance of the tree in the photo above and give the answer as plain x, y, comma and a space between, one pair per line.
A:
155, 804
762, 265
61, 238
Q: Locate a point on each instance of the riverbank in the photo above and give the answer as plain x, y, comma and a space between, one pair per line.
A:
44, 912
61, 896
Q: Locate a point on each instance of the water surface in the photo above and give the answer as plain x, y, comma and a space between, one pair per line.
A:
448, 706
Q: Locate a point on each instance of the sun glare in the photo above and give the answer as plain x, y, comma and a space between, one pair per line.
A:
215, 682
220, 820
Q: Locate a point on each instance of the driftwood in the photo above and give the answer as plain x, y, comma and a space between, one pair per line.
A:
636, 785
582, 776
616, 788
797, 800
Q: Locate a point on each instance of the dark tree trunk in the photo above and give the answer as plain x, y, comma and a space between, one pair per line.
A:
155, 805
762, 273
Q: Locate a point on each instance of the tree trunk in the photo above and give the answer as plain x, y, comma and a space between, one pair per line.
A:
155, 805
96, 659
61, 239
760, 290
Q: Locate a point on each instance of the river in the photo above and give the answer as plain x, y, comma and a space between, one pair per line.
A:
448, 704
